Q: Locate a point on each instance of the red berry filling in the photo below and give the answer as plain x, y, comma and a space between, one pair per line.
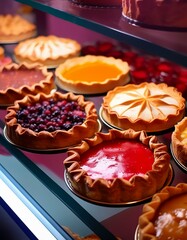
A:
51, 115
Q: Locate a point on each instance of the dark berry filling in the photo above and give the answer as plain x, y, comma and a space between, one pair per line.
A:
51, 115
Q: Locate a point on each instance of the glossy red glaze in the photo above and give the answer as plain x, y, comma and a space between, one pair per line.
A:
117, 159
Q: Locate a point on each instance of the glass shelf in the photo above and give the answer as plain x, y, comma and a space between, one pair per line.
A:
110, 22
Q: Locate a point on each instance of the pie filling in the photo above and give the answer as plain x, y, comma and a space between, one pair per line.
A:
17, 78
92, 72
117, 159
51, 115
171, 222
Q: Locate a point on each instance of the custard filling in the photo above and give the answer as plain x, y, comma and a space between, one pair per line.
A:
92, 72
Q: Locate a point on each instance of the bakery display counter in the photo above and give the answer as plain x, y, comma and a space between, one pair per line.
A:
41, 173
110, 22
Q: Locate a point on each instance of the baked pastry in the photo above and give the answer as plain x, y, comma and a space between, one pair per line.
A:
147, 106
46, 50
99, 3
18, 80
54, 121
165, 217
179, 141
92, 74
163, 14
14, 28
106, 168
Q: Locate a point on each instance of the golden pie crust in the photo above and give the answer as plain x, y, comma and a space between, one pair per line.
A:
92, 74
179, 141
11, 93
147, 106
118, 190
14, 28
49, 51
147, 229
57, 139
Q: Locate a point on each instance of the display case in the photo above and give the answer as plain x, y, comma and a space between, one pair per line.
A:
40, 175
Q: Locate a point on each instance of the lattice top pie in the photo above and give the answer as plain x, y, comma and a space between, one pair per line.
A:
46, 50
14, 28
147, 106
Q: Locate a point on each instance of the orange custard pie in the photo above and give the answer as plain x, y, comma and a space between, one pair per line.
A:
106, 168
147, 106
179, 141
50, 122
49, 51
14, 28
165, 217
16, 81
92, 74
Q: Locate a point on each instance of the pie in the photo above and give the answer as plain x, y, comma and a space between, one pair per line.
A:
92, 74
14, 28
106, 168
179, 141
18, 80
147, 106
46, 50
53, 121
164, 13
165, 217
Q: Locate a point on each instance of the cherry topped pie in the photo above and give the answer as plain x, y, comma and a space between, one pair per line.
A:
106, 168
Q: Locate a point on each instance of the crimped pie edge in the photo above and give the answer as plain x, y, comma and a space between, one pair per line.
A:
11, 94
92, 87
50, 140
118, 190
140, 124
146, 226
48, 61
179, 149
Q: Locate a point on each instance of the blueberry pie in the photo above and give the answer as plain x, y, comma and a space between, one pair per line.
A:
51, 121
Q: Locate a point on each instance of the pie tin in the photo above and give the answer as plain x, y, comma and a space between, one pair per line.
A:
182, 166
121, 204
63, 149
136, 235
